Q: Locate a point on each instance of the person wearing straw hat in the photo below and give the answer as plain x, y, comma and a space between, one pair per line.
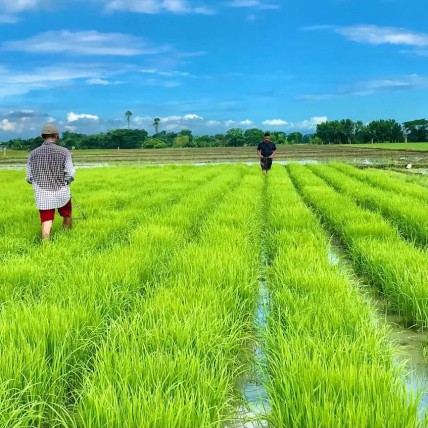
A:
266, 151
50, 170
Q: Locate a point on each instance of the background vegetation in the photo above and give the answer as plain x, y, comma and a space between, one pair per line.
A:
343, 131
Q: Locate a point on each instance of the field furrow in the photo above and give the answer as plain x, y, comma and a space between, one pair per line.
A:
324, 347
396, 268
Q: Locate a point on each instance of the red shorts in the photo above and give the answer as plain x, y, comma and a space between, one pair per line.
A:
48, 215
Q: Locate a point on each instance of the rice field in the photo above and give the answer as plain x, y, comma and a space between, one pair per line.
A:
185, 285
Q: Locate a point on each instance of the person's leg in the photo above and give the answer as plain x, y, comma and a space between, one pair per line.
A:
263, 165
46, 230
65, 213
46, 219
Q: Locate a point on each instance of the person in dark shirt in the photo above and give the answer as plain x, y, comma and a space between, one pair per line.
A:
266, 151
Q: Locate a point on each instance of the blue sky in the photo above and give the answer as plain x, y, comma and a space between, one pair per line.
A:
209, 65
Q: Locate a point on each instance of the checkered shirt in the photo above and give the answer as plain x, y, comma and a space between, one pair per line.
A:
50, 169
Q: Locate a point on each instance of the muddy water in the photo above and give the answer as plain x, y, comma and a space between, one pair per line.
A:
409, 342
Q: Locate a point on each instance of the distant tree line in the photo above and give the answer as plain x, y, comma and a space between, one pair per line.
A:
381, 131
344, 131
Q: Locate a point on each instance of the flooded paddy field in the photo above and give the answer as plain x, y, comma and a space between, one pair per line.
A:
214, 296
380, 157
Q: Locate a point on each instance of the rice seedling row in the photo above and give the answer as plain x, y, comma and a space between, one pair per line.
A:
144, 314
384, 180
407, 213
396, 267
417, 178
110, 211
104, 229
175, 360
328, 361
42, 368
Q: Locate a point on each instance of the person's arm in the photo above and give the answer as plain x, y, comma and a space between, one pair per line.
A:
69, 170
274, 152
29, 175
259, 151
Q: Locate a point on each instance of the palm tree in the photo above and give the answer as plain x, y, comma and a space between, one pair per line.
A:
128, 115
156, 124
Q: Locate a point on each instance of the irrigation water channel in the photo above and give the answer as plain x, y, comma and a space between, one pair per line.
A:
254, 411
409, 342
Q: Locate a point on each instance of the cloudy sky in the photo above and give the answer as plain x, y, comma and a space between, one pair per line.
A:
209, 65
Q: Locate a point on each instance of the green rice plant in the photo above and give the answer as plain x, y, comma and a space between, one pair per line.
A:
328, 360
176, 360
407, 213
396, 268
101, 206
420, 179
384, 180
43, 347
102, 286
103, 229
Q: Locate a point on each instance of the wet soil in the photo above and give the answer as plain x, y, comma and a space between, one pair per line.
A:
356, 155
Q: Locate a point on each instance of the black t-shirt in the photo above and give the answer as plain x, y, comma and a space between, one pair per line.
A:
266, 149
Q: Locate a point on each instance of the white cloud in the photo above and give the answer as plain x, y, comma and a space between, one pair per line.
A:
18, 122
204, 10
311, 124
17, 6
403, 82
8, 19
213, 123
17, 82
172, 73
229, 123
257, 4
73, 117
158, 6
370, 87
276, 122
97, 81
91, 43
192, 117
376, 35
5, 125
246, 122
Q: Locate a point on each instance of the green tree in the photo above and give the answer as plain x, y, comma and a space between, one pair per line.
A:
181, 141
156, 124
128, 115
315, 140
253, 136
360, 132
347, 129
153, 143
279, 137
235, 137
383, 131
295, 138
416, 130
204, 141
220, 140
125, 138
167, 137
